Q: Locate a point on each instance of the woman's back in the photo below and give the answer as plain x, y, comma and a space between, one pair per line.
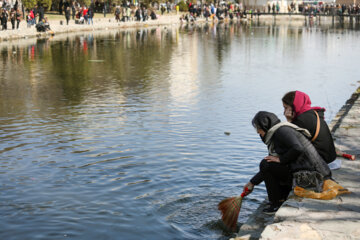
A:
298, 152
324, 142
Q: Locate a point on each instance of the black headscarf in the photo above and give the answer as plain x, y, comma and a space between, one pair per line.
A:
265, 120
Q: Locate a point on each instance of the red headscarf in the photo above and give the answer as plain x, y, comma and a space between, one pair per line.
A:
302, 103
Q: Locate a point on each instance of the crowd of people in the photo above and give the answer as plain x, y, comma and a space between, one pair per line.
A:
126, 13
13, 15
218, 11
239, 10
81, 14
330, 9
9, 13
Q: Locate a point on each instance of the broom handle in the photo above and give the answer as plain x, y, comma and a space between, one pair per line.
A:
348, 156
245, 192
340, 153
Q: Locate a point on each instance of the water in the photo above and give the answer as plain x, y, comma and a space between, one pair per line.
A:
120, 135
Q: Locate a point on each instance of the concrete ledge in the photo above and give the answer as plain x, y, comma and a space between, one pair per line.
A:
321, 219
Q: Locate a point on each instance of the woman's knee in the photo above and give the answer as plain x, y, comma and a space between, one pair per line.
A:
264, 166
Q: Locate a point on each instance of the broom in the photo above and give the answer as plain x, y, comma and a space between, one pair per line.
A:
230, 209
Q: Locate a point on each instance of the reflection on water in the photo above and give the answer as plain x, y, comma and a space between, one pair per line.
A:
121, 133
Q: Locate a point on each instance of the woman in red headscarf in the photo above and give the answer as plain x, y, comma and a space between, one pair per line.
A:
298, 110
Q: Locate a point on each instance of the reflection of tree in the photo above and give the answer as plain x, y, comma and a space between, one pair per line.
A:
126, 59
69, 67
223, 41
13, 81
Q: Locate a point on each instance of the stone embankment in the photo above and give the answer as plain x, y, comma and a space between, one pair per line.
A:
100, 24
59, 26
303, 218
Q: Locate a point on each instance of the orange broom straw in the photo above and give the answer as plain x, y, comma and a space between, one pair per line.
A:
230, 209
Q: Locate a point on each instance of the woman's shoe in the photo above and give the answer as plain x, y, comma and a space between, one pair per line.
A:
272, 209
268, 203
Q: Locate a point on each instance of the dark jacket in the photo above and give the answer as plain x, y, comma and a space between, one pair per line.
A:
67, 13
41, 13
90, 13
293, 148
298, 152
324, 143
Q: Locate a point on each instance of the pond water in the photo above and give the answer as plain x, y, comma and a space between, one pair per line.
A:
120, 135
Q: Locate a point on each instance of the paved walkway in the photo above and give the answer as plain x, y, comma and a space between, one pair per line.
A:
302, 218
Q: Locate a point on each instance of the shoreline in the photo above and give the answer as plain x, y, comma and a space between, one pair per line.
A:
58, 26
304, 218
100, 24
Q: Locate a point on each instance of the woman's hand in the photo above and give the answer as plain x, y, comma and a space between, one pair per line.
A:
272, 159
289, 114
249, 187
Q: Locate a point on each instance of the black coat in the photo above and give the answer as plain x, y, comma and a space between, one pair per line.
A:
41, 12
4, 17
67, 13
296, 152
324, 143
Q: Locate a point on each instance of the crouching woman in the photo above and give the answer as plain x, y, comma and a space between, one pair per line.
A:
292, 160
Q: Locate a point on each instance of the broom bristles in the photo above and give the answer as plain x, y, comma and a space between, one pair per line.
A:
230, 209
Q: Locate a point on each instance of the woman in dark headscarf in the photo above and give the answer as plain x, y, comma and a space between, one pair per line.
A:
289, 152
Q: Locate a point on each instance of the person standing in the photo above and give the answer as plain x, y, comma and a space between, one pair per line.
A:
137, 14
85, 14
4, 19
41, 12
1, 20
18, 18
61, 4
168, 7
35, 12
117, 14
104, 9
90, 15
12, 18
31, 17
144, 14
73, 10
16, 5
128, 13
67, 15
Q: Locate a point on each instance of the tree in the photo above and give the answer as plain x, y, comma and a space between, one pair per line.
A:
183, 7
45, 3
31, 3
